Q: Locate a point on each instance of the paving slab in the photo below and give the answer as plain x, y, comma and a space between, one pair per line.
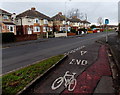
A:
105, 85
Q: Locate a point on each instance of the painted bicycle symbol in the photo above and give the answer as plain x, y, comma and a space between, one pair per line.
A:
70, 83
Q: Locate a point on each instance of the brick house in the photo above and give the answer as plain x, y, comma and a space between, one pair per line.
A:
6, 22
33, 22
75, 23
59, 22
85, 24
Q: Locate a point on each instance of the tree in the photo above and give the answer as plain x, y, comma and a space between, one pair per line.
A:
93, 26
100, 21
77, 13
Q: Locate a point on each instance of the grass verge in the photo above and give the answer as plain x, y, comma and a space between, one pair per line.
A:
13, 82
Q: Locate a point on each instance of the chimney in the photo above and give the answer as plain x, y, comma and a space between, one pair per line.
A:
33, 8
60, 13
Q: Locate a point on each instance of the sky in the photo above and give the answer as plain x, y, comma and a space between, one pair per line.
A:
93, 8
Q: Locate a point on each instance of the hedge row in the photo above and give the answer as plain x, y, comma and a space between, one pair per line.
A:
8, 37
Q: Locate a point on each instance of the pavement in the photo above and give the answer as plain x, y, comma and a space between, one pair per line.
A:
7, 45
86, 71
114, 44
39, 40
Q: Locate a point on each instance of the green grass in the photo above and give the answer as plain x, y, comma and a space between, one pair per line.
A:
13, 82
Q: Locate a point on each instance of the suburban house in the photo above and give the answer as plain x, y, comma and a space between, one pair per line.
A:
6, 22
75, 23
60, 22
85, 24
33, 22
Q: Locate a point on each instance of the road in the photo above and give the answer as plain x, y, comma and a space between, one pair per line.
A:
20, 56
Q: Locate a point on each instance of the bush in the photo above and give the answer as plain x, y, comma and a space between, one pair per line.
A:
8, 37
73, 31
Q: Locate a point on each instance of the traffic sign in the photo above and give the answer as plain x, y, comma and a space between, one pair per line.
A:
106, 21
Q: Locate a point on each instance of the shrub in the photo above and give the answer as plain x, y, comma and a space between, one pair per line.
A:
8, 37
73, 31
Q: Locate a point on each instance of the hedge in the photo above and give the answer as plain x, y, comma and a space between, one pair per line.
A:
8, 37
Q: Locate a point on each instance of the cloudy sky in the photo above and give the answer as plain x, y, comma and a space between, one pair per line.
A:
93, 8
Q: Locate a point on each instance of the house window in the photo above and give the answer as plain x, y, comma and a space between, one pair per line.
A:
50, 29
64, 22
36, 29
44, 29
10, 28
36, 20
29, 20
5, 17
2, 27
68, 22
45, 21
69, 28
61, 28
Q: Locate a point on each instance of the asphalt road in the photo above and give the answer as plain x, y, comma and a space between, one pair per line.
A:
20, 56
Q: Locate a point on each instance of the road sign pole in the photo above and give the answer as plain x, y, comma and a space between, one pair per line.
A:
106, 22
106, 34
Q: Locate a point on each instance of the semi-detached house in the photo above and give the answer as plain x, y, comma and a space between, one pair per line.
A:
60, 22
6, 22
33, 22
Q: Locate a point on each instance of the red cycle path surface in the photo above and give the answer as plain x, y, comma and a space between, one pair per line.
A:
87, 81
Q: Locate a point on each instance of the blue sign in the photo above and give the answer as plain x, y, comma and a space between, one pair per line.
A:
106, 21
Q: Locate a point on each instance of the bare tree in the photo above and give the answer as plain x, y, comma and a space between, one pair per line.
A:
75, 12
100, 21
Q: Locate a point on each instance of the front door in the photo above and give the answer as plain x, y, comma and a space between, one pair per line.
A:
29, 30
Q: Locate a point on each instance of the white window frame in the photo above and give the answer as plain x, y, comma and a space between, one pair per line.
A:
44, 29
36, 20
5, 17
45, 21
68, 22
51, 29
69, 28
35, 29
9, 28
61, 28
64, 22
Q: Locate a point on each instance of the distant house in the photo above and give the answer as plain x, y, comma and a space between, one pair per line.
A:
85, 24
75, 23
33, 22
6, 22
60, 22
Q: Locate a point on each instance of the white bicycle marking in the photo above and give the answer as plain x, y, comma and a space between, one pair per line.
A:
68, 82
78, 62
74, 50
83, 52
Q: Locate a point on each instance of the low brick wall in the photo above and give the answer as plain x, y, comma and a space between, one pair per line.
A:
60, 34
71, 34
26, 37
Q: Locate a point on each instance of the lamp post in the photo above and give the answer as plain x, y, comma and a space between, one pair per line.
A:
66, 16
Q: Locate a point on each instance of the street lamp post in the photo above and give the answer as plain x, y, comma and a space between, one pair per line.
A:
66, 16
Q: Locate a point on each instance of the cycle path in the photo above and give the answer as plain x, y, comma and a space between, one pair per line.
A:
75, 63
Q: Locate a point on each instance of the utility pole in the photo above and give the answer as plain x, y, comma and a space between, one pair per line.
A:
106, 22
66, 16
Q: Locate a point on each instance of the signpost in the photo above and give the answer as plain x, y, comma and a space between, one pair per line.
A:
106, 22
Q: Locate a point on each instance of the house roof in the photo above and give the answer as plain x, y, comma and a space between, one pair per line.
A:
33, 14
4, 12
75, 19
9, 23
60, 17
85, 21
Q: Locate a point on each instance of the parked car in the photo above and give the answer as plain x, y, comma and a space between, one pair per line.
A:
97, 30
